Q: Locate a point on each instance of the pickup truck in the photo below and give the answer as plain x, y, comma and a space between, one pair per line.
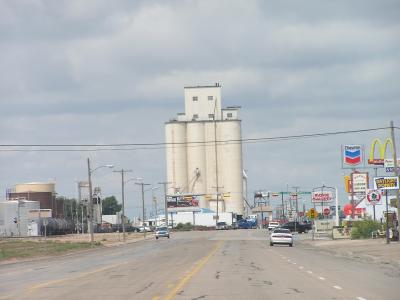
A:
297, 227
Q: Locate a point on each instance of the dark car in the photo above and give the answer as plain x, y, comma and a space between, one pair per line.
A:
297, 226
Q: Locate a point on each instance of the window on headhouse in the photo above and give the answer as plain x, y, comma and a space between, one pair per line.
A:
195, 98
211, 116
210, 97
229, 115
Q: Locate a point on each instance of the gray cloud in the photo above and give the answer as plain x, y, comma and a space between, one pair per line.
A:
114, 72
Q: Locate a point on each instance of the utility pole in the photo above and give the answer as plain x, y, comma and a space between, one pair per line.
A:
216, 160
143, 184
90, 204
123, 171
395, 171
165, 183
296, 188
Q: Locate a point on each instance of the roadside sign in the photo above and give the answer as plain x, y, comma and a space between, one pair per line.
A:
352, 155
374, 197
322, 196
312, 213
386, 183
327, 211
359, 182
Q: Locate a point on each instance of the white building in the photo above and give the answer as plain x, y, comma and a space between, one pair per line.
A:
195, 139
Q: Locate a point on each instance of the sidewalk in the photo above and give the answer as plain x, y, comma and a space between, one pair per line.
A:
371, 250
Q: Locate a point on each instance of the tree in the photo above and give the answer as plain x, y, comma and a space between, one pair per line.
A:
111, 206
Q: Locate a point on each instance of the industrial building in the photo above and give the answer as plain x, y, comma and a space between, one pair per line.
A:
43, 192
204, 151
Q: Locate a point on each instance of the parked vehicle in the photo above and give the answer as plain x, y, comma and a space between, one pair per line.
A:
281, 236
295, 226
272, 225
222, 226
162, 232
244, 224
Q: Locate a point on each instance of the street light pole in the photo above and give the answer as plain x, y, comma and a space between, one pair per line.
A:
143, 184
90, 202
123, 171
165, 183
154, 199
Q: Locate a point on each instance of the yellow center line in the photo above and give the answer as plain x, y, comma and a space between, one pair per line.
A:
192, 272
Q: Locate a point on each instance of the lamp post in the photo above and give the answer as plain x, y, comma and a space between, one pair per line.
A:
90, 222
123, 171
155, 202
143, 184
165, 183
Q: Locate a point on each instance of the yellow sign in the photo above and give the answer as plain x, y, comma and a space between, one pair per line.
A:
386, 183
312, 213
382, 151
347, 184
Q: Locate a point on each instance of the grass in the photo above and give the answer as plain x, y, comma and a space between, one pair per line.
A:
10, 249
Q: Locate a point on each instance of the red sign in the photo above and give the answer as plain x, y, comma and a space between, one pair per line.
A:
348, 208
327, 211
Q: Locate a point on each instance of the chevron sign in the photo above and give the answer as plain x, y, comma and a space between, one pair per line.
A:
352, 155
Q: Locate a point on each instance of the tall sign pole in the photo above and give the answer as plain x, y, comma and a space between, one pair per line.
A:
395, 170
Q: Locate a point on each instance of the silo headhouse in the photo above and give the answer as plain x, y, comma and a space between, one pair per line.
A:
204, 151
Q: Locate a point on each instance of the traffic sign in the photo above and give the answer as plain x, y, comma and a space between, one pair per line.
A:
312, 213
327, 211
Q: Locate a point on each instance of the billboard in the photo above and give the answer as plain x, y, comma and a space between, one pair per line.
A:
386, 183
177, 201
359, 182
352, 155
318, 197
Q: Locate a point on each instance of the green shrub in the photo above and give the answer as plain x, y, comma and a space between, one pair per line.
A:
183, 227
363, 229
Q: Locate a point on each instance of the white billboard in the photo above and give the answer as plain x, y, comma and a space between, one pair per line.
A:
360, 182
322, 196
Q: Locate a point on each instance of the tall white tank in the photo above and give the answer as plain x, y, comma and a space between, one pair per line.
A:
196, 159
230, 166
175, 132
48, 187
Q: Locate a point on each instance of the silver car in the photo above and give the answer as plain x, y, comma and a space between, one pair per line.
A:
281, 236
162, 232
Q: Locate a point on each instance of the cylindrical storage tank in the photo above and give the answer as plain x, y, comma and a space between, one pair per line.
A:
230, 165
196, 157
35, 187
175, 132
211, 168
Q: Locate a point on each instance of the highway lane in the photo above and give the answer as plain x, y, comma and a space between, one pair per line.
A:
200, 265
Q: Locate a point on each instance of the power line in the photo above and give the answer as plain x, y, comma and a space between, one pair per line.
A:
162, 145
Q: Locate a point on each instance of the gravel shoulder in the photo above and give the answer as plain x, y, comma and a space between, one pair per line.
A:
371, 250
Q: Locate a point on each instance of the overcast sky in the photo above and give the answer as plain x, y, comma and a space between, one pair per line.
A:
95, 72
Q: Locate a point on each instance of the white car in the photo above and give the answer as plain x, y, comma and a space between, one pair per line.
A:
272, 225
281, 236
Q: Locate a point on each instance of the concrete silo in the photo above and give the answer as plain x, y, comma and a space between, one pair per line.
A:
210, 164
175, 135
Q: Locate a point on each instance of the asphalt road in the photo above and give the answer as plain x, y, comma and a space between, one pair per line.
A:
237, 264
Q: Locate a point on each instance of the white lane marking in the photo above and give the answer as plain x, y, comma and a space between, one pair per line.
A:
322, 278
294, 263
337, 287
309, 272
361, 298
301, 267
